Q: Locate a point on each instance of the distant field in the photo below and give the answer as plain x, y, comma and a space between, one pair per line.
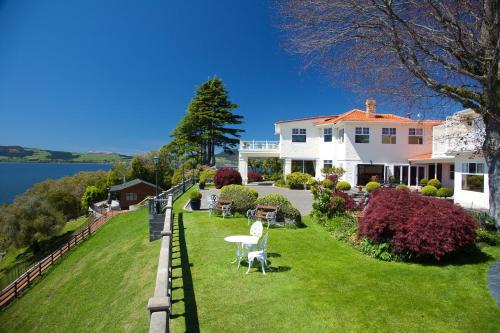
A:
22, 154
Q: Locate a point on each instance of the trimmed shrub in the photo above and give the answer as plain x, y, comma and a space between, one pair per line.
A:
429, 191
424, 181
434, 182
444, 192
402, 219
372, 186
226, 176
343, 186
327, 183
243, 197
402, 187
296, 180
195, 195
489, 237
285, 208
254, 177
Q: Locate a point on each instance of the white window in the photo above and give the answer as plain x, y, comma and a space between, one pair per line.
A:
362, 135
389, 136
299, 135
327, 164
327, 134
415, 136
473, 177
130, 196
341, 135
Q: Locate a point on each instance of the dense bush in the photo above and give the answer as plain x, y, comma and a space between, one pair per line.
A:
402, 219
429, 191
254, 177
343, 186
424, 181
91, 195
327, 183
342, 227
195, 195
207, 175
402, 187
333, 178
285, 208
372, 186
227, 176
488, 237
296, 180
243, 197
434, 182
444, 192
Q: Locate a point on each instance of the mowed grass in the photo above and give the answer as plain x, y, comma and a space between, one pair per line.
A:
317, 284
101, 286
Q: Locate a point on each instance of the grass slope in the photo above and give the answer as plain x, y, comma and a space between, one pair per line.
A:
317, 284
102, 286
22, 154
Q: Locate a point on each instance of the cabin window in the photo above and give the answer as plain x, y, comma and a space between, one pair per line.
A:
327, 134
473, 177
415, 136
299, 135
389, 136
327, 164
341, 135
362, 135
130, 196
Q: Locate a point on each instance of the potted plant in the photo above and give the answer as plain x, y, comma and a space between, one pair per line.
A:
201, 184
195, 200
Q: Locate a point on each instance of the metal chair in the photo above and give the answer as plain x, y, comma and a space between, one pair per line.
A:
257, 229
251, 215
226, 211
260, 255
271, 218
212, 204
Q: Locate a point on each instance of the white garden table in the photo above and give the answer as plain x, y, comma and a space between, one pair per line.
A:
242, 242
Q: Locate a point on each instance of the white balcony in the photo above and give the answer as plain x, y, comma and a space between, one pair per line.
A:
259, 146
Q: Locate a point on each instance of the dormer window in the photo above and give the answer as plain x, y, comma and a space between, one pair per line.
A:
362, 135
299, 135
415, 136
327, 134
389, 136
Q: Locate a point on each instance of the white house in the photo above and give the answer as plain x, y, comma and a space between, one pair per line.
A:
364, 143
368, 144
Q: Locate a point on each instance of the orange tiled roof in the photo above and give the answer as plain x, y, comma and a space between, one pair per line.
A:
358, 115
421, 157
300, 119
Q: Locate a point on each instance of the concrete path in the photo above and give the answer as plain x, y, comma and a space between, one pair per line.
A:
494, 281
300, 199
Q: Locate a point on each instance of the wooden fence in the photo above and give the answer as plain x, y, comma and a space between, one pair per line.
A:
18, 286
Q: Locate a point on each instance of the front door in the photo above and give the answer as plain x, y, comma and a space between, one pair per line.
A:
438, 174
369, 172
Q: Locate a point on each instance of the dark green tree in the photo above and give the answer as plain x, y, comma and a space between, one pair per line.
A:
208, 124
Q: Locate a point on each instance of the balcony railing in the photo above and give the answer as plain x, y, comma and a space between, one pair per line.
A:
260, 145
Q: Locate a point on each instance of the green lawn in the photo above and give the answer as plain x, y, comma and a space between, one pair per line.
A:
317, 284
101, 286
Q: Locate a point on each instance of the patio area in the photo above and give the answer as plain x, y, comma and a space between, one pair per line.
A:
316, 284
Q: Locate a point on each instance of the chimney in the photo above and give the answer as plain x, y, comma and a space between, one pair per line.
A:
371, 107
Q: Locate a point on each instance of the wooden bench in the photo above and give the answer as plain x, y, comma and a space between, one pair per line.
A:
224, 206
265, 213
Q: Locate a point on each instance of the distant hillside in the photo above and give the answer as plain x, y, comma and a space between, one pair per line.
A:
225, 158
22, 154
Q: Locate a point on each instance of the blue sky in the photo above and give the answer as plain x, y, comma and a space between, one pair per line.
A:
117, 75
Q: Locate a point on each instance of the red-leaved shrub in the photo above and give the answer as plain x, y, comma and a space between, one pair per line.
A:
412, 223
226, 176
349, 203
333, 178
254, 177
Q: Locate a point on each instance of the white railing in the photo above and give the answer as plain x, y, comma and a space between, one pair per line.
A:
259, 145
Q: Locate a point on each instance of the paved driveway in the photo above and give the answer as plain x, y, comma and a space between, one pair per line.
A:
300, 199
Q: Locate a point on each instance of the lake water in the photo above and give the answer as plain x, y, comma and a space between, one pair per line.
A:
15, 178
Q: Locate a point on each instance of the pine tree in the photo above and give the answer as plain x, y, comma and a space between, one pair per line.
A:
208, 123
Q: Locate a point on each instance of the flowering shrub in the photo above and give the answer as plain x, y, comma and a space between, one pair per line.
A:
327, 183
429, 191
226, 176
328, 203
343, 186
402, 219
296, 180
254, 177
333, 178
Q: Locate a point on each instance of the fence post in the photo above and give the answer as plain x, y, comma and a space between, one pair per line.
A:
52, 258
15, 288
40, 267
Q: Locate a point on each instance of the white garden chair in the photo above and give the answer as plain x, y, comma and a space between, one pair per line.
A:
260, 255
256, 229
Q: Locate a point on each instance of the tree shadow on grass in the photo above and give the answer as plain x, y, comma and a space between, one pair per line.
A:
190, 309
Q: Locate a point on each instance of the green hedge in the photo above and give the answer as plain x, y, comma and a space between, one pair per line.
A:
296, 180
372, 186
429, 191
434, 182
445, 192
243, 197
343, 186
285, 209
